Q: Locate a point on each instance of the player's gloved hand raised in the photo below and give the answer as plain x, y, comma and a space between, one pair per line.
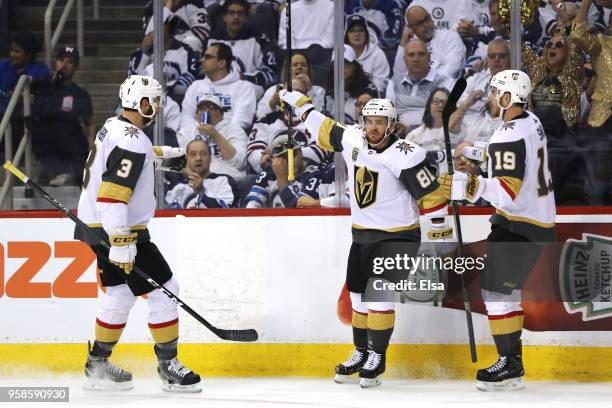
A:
123, 249
297, 100
461, 186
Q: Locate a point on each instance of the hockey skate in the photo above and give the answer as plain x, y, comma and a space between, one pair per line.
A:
102, 375
507, 374
344, 371
369, 375
178, 378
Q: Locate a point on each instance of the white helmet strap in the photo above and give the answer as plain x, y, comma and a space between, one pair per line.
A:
153, 106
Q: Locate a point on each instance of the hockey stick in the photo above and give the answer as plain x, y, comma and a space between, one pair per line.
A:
451, 106
290, 172
232, 335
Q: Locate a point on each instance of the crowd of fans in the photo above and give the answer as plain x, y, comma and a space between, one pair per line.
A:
225, 62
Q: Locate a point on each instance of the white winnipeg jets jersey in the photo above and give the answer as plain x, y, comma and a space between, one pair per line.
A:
118, 183
386, 187
518, 159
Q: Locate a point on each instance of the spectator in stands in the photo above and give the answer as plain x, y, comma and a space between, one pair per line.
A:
300, 70
410, 91
383, 17
237, 96
473, 99
180, 61
443, 12
445, 46
273, 124
356, 82
241, 39
430, 135
192, 27
597, 138
226, 140
369, 55
200, 187
312, 23
566, 13
480, 127
273, 189
61, 125
360, 102
474, 18
557, 78
22, 60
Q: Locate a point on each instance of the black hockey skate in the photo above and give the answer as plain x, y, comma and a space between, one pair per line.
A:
178, 378
369, 375
506, 374
102, 375
344, 371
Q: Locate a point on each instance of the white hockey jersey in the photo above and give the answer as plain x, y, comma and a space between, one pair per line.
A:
272, 125
118, 183
387, 187
238, 98
519, 184
217, 192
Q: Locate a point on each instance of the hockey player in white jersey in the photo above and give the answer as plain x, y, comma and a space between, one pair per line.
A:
118, 201
519, 186
389, 179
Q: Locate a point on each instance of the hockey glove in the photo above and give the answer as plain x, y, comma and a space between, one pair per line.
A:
123, 249
477, 153
297, 100
461, 186
168, 152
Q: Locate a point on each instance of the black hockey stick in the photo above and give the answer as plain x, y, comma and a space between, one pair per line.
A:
290, 170
232, 335
451, 106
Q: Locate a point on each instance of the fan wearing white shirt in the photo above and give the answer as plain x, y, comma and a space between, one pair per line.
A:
409, 92
368, 53
430, 135
443, 12
445, 46
312, 22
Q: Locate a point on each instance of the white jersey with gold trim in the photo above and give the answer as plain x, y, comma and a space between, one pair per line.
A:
118, 183
388, 186
520, 186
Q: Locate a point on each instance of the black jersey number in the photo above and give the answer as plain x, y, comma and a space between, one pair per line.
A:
90, 159
544, 186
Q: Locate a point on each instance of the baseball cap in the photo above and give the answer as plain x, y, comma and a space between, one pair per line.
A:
354, 20
68, 51
212, 98
280, 145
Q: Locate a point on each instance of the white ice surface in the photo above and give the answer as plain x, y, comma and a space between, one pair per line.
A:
322, 393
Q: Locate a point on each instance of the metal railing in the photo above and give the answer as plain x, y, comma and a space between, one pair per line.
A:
51, 41
22, 88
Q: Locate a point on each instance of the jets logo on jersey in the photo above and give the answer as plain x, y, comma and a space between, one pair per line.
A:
404, 147
508, 126
366, 186
130, 131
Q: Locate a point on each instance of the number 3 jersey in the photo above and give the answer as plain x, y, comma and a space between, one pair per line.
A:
519, 184
118, 184
386, 187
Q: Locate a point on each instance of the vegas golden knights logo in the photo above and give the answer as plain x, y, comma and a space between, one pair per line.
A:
366, 185
515, 76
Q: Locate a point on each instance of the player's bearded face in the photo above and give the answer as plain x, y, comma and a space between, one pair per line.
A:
375, 127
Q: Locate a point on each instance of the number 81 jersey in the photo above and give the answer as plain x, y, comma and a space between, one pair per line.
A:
119, 181
518, 160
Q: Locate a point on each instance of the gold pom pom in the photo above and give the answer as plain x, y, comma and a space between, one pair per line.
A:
528, 11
